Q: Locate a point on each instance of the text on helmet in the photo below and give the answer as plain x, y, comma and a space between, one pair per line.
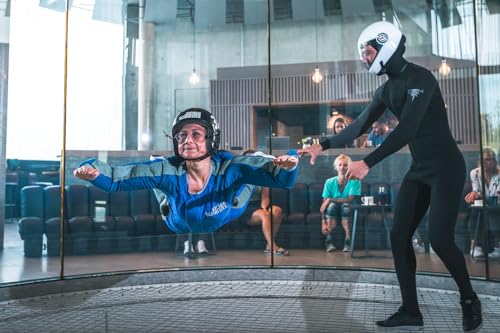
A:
191, 114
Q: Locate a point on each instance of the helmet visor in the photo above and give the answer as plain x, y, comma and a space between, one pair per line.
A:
368, 52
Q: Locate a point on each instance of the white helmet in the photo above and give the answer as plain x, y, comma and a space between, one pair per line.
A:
385, 38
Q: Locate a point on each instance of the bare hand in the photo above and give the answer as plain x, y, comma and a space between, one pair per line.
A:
324, 228
86, 173
314, 151
286, 161
357, 170
470, 197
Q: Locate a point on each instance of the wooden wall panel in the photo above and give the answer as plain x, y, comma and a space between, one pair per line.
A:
233, 100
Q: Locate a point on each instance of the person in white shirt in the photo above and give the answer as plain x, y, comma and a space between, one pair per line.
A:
492, 192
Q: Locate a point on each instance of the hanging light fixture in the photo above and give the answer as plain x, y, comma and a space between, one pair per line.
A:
194, 79
317, 77
444, 68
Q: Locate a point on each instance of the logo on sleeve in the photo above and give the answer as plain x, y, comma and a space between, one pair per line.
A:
415, 93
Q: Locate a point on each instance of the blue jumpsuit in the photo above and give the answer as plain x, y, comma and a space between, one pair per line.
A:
223, 199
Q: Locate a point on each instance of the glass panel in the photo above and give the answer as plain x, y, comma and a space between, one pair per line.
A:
488, 19
133, 70
31, 104
324, 42
133, 66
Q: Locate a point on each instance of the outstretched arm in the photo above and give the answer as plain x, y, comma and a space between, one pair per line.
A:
286, 162
86, 173
268, 171
126, 177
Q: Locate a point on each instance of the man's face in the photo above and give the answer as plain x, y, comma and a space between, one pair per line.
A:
368, 54
376, 128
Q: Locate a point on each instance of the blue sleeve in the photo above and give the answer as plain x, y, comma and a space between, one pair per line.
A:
134, 176
259, 170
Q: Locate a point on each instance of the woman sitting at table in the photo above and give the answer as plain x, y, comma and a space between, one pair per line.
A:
492, 188
338, 193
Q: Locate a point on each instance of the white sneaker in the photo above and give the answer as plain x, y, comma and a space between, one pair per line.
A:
495, 254
200, 246
330, 247
187, 246
477, 252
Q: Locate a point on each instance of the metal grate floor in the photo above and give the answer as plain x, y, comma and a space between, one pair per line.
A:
235, 306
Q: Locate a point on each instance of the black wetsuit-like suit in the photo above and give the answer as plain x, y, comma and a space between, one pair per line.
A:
436, 176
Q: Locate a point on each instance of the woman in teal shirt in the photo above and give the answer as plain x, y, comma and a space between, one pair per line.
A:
338, 192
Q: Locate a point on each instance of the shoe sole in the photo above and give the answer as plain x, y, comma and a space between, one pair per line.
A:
277, 254
399, 328
475, 329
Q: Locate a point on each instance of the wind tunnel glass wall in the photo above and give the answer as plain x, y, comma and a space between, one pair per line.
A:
31, 105
133, 66
156, 59
320, 86
488, 50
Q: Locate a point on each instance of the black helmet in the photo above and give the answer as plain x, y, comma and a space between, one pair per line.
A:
201, 117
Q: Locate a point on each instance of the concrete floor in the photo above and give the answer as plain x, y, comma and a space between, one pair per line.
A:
199, 295
234, 306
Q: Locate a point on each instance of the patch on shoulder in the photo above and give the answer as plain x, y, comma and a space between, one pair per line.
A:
414, 93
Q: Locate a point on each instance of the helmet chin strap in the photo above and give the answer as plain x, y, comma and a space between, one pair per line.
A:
383, 68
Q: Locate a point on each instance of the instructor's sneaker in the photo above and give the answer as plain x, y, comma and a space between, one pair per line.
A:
472, 317
403, 320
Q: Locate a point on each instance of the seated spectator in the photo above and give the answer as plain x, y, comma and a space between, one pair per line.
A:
338, 126
262, 213
380, 130
338, 193
492, 188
